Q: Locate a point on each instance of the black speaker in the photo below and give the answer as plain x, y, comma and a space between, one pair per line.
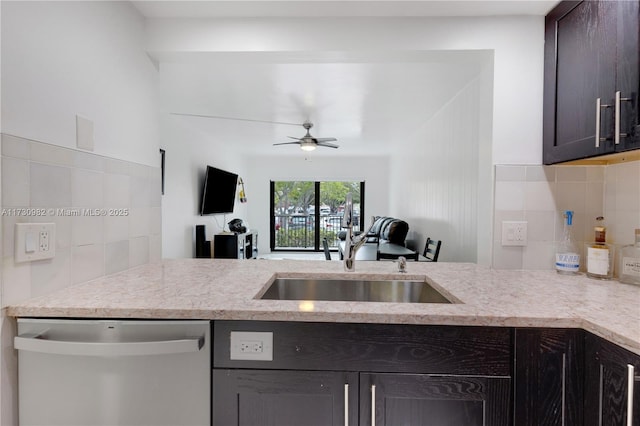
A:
203, 247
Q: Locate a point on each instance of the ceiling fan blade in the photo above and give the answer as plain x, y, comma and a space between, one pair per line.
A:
287, 143
298, 139
325, 139
328, 145
222, 117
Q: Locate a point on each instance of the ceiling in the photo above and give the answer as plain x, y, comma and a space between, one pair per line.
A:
329, 8
370, 101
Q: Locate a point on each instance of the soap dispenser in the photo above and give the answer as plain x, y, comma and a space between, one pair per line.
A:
567, 256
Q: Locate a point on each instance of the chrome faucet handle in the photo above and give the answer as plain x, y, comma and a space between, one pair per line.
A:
402, 264
347, 216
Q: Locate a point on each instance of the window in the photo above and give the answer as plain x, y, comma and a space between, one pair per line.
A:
305, 212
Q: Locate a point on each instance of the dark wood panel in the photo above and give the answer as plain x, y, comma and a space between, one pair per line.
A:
548, 375
426, 400
628, 72
580, 66
606, 383
294, 398
374, 347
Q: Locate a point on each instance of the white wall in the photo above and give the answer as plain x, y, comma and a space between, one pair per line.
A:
60, 59
188, 152
442, 165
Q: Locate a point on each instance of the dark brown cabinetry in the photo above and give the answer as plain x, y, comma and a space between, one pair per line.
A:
235, 246
268, 397
548, 376
326, 373
401, 374
431, 400
612, 380
591, 82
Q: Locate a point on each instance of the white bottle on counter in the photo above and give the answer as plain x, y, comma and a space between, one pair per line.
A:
567, 256
630, 262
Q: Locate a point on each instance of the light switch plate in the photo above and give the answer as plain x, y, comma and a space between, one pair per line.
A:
514, 233
34, 241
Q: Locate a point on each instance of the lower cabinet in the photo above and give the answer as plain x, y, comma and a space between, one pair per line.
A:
377, 374
310, 398
426, 400
295, 398
548, 377
612, 384
363, 374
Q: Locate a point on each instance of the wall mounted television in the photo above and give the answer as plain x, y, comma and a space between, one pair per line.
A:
218, 191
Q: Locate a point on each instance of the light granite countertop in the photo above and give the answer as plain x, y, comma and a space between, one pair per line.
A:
227, 289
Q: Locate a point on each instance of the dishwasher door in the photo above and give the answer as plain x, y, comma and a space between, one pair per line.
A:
103, 372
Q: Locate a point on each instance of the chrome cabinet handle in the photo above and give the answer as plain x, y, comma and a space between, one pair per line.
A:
37, 343
346, 404
617, 134
599, 106
630, 380
564, 387
373, 405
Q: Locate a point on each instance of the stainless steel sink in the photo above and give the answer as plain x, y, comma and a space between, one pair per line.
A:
402, 291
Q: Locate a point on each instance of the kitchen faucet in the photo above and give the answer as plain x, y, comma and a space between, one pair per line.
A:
352, 242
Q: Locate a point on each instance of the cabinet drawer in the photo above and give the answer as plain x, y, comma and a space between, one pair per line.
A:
373, 347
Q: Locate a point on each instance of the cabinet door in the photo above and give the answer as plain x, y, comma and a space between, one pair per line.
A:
426, 400
607, 384
580, 68
281, 398
548, 377
628, 76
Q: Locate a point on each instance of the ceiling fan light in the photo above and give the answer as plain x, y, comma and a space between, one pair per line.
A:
307, 146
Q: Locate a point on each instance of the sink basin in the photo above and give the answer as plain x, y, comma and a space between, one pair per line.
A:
400, 291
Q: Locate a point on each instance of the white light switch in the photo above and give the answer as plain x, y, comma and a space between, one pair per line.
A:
34, 241
30, 242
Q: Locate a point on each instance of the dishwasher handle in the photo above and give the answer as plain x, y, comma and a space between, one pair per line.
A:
38, 343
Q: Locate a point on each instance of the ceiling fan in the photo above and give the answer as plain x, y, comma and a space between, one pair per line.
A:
308, 142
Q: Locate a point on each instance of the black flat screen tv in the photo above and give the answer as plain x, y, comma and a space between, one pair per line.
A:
218, 191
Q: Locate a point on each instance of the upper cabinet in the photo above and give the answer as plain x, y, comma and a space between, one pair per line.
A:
591, 81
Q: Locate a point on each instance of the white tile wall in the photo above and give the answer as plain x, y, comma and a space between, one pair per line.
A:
36, 174
540, 194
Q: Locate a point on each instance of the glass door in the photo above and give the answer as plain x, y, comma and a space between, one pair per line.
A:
305, 212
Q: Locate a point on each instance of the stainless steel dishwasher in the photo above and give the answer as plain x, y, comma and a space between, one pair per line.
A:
103, 372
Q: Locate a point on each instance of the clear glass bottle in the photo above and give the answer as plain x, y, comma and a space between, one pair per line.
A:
630, 262
600, 254
567, 256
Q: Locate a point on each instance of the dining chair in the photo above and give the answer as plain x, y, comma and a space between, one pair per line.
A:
325, 245
432, 250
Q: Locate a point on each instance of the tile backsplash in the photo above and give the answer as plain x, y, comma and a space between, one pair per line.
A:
107, 214
540, 195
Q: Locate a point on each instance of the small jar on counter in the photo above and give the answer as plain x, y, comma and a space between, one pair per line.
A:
599, 254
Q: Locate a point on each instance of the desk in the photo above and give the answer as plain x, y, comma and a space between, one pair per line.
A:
382, 251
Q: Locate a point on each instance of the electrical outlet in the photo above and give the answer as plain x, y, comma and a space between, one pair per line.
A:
251, 345
514, 233
34, 241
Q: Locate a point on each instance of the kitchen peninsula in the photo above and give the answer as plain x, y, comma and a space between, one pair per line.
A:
227, 289
531, 347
